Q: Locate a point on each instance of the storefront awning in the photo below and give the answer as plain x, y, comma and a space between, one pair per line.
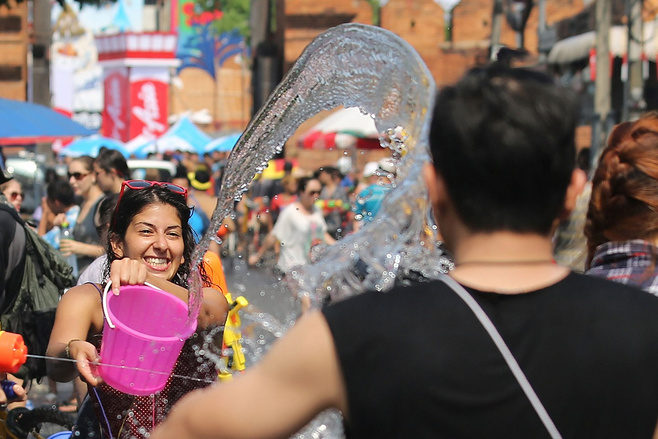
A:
577, 47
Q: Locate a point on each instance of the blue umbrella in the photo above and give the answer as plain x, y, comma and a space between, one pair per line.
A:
24, 122
223, 144
91, 146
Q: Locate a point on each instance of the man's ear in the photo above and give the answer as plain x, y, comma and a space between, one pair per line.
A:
436, 188
575, 188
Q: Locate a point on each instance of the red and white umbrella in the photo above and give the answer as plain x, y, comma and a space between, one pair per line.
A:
345, 128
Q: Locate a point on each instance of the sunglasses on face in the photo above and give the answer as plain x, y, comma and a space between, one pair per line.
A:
15, 195
314, 193
77, 175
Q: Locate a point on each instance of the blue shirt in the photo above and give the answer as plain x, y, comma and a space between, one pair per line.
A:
369, 201
53, 235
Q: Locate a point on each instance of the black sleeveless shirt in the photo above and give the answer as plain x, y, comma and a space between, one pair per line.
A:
418, 364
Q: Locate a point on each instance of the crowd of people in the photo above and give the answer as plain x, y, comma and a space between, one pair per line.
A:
510, 344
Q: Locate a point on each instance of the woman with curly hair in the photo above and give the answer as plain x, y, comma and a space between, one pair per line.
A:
622, 221
149, 241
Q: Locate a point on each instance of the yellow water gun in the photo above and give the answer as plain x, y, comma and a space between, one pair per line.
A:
232, 350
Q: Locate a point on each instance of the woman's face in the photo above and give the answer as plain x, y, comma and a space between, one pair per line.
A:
14, 194
291, 187
154, 237
81, 178
310, 194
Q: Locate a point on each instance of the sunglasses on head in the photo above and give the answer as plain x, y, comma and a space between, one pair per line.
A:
143, 184
77, 175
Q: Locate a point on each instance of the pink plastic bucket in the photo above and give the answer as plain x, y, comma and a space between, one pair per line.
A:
144, 331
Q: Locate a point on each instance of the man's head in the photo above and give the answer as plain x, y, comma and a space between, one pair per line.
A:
502, 142
328, 175
111, 169
60, 196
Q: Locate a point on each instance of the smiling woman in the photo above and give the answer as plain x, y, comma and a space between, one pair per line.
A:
149, 241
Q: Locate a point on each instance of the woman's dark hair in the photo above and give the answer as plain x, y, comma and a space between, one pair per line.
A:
87, 162
624, 201
133, 202
112, 159
302, 183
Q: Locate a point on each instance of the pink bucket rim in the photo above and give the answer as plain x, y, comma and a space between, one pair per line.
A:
189, 330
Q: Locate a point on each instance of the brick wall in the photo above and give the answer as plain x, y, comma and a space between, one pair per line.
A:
13, 47
422, 24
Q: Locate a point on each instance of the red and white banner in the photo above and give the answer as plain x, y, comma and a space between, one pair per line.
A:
115, 112
148, 112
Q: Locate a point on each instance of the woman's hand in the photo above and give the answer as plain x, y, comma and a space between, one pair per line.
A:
59, 219
69, 247
127, 272
86, 357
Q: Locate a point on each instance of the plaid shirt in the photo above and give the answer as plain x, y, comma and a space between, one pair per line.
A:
627, 262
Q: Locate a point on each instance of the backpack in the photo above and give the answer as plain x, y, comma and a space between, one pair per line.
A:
31, 312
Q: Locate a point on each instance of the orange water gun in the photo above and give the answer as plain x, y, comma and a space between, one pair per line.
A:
13, 352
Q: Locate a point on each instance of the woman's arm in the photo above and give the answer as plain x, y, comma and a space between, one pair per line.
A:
69, 246
79, 314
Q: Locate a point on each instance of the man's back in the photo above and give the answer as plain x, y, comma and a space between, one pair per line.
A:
417, 363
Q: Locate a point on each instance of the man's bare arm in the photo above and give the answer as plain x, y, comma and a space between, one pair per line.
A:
297, 379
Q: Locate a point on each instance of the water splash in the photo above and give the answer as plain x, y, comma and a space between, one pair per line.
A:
353, 65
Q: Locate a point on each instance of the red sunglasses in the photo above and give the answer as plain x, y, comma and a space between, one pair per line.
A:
143, 184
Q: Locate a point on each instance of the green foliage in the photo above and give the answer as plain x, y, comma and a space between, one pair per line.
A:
235, 15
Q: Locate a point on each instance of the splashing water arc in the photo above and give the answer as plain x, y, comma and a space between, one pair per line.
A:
353, 65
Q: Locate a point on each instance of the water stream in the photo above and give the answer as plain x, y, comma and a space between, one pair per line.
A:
362, 66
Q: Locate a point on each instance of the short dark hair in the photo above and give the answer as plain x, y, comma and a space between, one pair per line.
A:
62, 191
503, 141
110, 159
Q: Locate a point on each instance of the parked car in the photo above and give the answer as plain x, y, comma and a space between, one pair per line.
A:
157, 170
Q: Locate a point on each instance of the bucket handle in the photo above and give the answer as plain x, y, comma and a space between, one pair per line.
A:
105, 311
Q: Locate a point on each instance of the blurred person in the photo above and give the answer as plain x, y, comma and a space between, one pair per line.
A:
14, 193
569, 238
86, 243
111, 170
285, 197
333, 201
369, 200
202, 203
61, 202
299, 228
198, 220
94, 271
41, 213
622, 220
509, 345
